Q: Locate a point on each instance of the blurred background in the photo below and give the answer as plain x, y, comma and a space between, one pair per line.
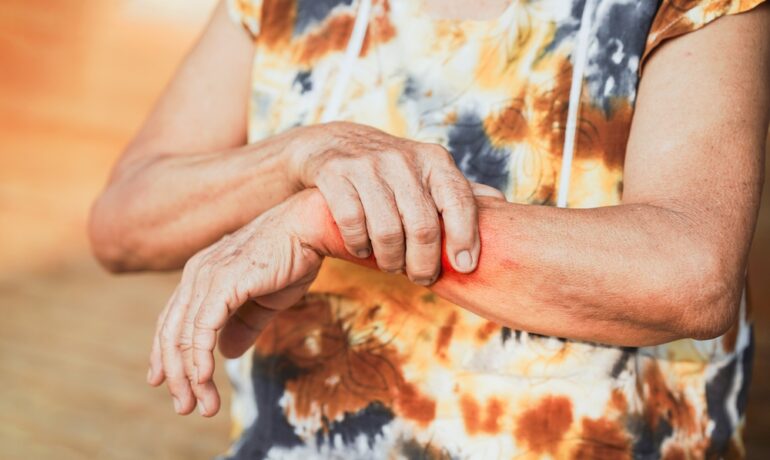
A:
76, 79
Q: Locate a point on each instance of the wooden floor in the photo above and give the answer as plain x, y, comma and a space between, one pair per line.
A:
76, 79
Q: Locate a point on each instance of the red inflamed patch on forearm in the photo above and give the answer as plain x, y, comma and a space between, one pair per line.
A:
493, 259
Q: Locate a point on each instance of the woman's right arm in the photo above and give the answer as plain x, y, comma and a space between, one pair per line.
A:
187, 178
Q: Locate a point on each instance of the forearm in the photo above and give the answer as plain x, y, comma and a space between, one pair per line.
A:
626, 275
158, 210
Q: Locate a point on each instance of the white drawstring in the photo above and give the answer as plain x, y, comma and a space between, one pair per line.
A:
352, 52
578, 71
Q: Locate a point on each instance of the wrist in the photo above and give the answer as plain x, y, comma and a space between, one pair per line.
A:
293, 157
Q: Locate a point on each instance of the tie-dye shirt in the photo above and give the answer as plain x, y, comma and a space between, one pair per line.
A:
371, 366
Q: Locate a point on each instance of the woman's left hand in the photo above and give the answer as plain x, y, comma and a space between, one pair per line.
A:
236, 285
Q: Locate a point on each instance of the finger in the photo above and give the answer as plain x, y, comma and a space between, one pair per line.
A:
155, 375
171, 356
227, 251
454, 200
221, 301
205, 391
486, 191
422, 231
202, 343
242, 329
348, 213
383, 223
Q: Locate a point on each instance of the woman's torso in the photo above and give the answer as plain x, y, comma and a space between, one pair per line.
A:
372, 366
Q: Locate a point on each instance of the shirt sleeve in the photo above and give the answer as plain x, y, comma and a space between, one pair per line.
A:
678, 17
247, 13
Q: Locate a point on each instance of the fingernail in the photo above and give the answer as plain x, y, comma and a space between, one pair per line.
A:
201, 408
463, 260
149, 375
363, 253
177, 405
423, 282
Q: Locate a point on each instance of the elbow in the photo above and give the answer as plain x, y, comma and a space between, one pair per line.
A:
107, 243
120, 245
117, 242
717, 317
711, 297
117, 245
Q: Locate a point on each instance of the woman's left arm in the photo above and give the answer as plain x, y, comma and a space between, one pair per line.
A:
669, 262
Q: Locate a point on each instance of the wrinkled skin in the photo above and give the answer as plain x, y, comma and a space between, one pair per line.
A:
236, 286
389, 191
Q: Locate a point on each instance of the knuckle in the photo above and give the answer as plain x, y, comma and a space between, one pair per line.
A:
355, 239
185, 340
177, 384
390, 261
364, 166
184, 345
351, 221
356, 242
392, 157
460, 199
201, 323
200, 262
202, 334
337, 164
438, 152
389, 237
187, 326
425, 233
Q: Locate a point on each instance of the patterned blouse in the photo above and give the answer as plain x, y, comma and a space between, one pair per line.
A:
536, 102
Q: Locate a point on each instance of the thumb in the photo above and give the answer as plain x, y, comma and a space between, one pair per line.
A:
243, 328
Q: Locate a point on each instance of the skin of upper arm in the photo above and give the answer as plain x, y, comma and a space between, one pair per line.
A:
204, 107
698, 136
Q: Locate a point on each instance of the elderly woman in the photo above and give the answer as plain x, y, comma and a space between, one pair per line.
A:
461, 229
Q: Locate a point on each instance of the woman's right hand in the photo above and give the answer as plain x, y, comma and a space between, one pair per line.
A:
386, 193
232, 289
